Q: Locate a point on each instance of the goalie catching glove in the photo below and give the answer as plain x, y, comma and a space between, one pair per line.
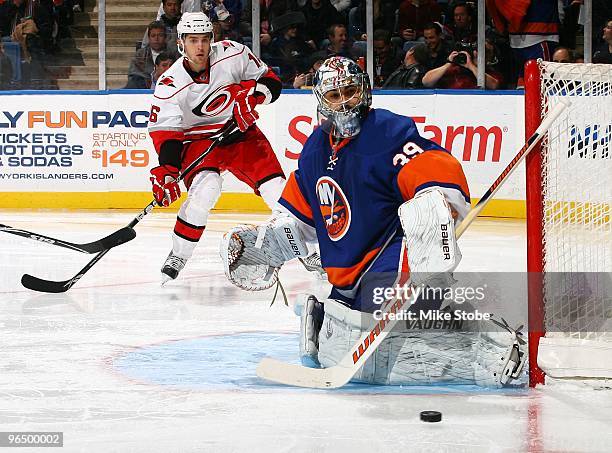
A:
166, 189
252, 255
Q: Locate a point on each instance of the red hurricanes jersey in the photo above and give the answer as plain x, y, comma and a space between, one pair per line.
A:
188, 106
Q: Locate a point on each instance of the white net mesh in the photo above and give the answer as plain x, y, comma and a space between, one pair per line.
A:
577, 196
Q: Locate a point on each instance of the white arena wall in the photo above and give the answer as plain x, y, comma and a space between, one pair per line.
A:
77, 150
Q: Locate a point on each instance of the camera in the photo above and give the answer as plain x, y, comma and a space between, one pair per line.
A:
464, 46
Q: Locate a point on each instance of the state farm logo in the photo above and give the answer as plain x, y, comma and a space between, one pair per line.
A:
447, 138
461, 140
335, 208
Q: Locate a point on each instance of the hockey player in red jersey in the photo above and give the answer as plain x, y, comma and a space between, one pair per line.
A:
382, 203
213, 83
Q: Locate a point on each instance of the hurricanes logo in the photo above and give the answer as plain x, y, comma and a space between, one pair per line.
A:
335, 208
168, 81
216, 102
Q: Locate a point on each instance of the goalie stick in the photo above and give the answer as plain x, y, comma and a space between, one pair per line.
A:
119, 237
51, 286
341, 373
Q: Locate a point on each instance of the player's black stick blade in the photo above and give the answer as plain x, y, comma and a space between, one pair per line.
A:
119, 237
123, 235
112, 240
50, 286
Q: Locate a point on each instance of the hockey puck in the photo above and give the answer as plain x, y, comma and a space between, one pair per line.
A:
431, 416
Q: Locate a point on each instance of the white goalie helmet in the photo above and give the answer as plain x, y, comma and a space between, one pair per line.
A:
193, 24
342, 112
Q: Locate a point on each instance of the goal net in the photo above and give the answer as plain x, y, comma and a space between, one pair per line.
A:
569, 199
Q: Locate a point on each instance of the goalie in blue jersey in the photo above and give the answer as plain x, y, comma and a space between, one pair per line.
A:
381, 202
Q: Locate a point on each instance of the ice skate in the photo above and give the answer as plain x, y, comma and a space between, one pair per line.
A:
171, 268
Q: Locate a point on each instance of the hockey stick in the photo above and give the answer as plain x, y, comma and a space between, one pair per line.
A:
112, 240
50, 286
341, 373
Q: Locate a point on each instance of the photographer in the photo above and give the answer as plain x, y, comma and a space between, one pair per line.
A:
461, 71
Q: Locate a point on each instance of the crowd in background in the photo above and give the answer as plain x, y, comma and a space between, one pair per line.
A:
417, 43
35, 30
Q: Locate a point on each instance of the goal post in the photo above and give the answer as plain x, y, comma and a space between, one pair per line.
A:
569, 230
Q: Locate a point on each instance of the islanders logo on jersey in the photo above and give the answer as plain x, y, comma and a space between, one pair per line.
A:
335, 208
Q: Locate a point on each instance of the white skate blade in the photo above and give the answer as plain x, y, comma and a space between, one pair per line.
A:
165, 279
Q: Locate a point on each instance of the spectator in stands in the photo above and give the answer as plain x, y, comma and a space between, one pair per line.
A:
439, 48
603, 53
223, 8
288, 49
461, 72
305, 79
463, 27
162, 63
563, 55
227, 27
64, 17
357, 18
339, 44
413, 15
569, 11
533, 28
320, 15
6, 70
143, 63
31, 26
170, 19
342, 6
410, 73
187, 6
386, 58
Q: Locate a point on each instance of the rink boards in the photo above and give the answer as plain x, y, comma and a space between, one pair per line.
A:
91, 149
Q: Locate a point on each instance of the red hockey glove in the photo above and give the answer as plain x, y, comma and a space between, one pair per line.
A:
244, 106
165, 188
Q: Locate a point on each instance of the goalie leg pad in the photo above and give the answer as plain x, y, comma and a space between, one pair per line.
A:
422, 356
430, 236
499, 359
406, 357
311, 313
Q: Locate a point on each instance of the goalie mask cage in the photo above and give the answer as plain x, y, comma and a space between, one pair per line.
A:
569, 233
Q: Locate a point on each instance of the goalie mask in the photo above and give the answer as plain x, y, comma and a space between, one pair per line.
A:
343, 95
192, 24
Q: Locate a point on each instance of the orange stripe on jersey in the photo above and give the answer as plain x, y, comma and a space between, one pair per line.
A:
433, 167
293, 195
159, 137
345, 276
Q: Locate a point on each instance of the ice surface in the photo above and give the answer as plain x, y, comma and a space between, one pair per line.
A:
120, 364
